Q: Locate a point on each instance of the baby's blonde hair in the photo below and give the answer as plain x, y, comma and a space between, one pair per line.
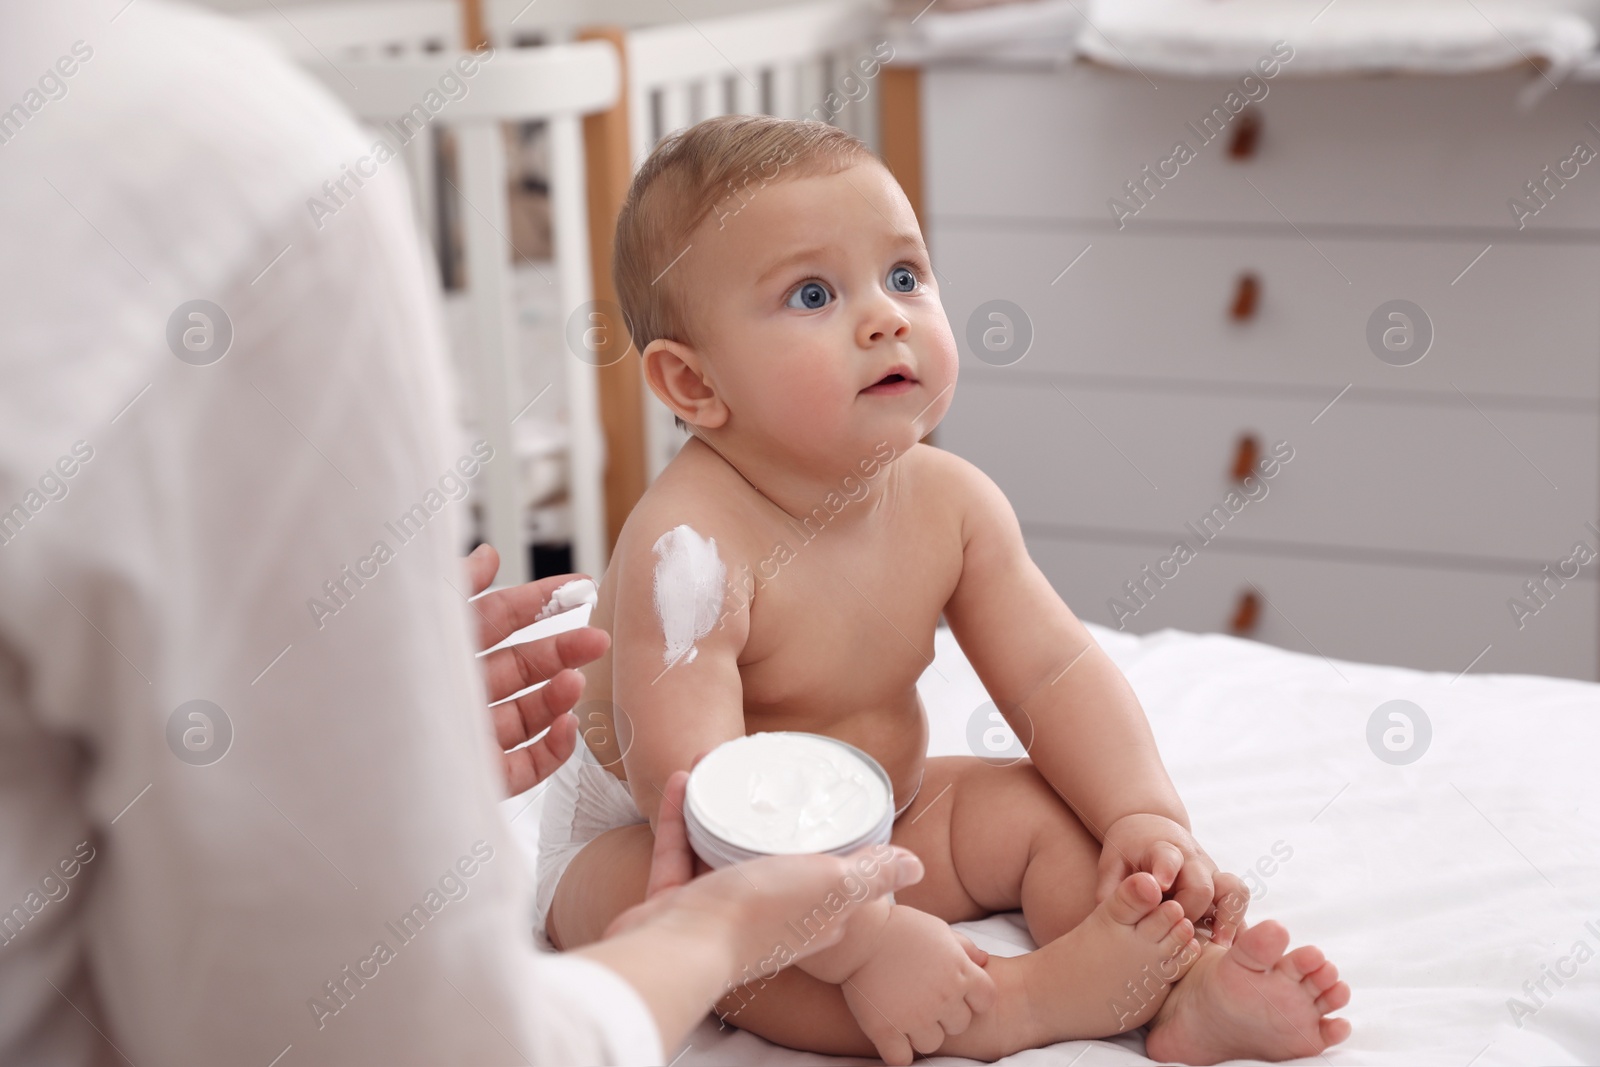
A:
713, 166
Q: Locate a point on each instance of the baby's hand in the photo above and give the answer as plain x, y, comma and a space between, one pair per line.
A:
1213, 900
922, 982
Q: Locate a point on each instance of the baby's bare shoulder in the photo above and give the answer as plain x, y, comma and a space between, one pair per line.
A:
955, 485
693, 492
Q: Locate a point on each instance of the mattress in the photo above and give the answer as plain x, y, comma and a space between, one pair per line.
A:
1448, 861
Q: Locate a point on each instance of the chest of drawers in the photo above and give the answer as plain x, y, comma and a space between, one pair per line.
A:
1441, 504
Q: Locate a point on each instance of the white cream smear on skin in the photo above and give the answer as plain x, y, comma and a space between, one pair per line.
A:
574, 594
780, 793
689, 580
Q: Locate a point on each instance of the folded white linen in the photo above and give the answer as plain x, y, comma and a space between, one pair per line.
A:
1211, 38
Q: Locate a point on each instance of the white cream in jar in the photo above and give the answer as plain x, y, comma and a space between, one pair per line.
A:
785, 793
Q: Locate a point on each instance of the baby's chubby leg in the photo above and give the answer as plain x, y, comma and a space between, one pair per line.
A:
1013, 843
792, 1008
1060, 992
996, 837
607, 877
1077, 986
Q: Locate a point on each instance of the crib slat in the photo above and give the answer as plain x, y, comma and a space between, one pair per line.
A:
676, 108
586, 446
811, 88
747, 97
858, 92
845, 82
421, 167
705, 98
786, 90
869, 106
765, 96
482, 162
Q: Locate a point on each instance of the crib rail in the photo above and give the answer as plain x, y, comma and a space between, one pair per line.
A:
333, 33
558, 85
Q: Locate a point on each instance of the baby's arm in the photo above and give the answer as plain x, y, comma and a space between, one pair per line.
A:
670, 709
1072, 708
905, 973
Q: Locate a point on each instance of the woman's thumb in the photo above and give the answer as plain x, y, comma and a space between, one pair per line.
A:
908, 869
886, 872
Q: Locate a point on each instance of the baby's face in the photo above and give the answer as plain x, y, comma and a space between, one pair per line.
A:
805, 300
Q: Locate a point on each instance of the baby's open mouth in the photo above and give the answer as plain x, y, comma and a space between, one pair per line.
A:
896, 381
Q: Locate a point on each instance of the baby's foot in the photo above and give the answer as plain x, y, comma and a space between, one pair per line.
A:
1250, 1001
1112, 971
1106, 975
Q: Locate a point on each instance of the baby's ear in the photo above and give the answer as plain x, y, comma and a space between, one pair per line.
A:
675, 373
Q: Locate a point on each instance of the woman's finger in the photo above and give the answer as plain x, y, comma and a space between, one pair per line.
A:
637, 915
528, 716
505, 611
513, 669
531, 764
483, 563
672, 861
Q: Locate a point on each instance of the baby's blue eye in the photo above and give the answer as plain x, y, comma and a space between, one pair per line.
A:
903, 280
809, 296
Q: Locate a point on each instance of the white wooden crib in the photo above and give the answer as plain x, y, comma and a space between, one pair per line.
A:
653, 71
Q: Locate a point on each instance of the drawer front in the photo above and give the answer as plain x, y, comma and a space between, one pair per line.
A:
1439, 151
1430, 478
1523, 321
1429, 618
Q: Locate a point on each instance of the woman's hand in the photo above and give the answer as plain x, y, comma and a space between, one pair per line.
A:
553, 659
754, 904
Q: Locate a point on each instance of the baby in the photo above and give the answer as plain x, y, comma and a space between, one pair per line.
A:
787, 572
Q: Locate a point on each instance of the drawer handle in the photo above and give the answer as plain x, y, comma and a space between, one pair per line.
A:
1246, 135
1246, 297
1245, 456
1246, 615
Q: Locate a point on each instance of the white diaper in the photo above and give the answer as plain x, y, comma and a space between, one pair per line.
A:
583, 800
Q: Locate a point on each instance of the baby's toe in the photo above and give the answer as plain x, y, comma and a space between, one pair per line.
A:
1177, 940
1261, 946
1159, 923
1335, 1030
1180, 954
1319, 980
1337, 996
1302, 961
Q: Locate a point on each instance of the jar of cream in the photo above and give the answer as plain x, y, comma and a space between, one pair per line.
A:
785, 793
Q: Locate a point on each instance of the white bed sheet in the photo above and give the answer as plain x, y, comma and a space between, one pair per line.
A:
1438, 888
